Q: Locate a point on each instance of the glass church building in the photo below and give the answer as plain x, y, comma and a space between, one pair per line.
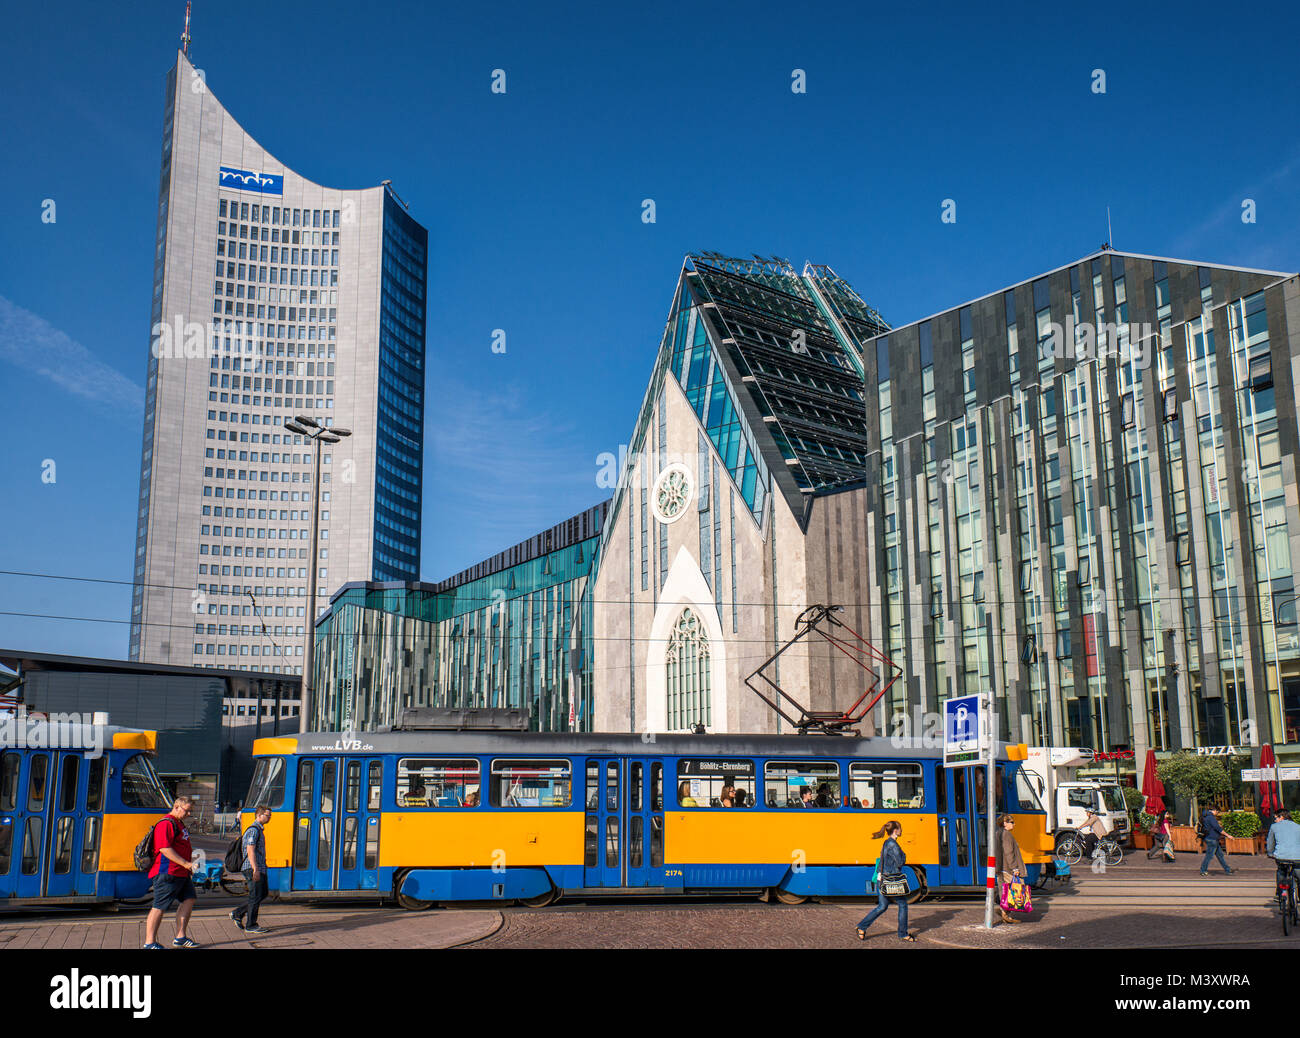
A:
508, 632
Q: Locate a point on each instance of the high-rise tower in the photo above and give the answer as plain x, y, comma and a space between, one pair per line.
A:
273, 297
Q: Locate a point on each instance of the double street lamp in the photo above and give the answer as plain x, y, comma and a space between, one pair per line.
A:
318, 434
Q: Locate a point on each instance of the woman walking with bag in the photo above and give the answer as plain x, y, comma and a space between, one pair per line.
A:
1161, 845
891, 884
1010, 865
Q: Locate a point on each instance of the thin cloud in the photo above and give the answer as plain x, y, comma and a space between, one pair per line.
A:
31, 343
499, 466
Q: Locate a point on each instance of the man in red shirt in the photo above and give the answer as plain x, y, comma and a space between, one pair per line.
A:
172, 874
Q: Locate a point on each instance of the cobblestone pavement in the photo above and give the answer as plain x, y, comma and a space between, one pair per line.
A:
1136, 905
291, 926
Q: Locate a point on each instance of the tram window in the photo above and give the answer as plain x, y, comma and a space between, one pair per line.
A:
372, 843
348, 857
9, 765
611, 786
700, 781
306, 773
634, 783
785, 781
267, 787
611, 842
635, 838
424, 782
887, 785
141, 786
36, 783
327, 788
656, 787
325, 842
959, 790
531, 783
6, 844
32, 844
89, 845
68, 784
941, 792
95, 784
352, 797
375, 786
302, 843
593, 787
63, 833
1025, 793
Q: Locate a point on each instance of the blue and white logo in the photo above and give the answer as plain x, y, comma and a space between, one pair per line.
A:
243, 180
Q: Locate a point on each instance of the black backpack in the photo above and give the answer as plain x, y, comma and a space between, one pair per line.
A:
234, 860
145, 852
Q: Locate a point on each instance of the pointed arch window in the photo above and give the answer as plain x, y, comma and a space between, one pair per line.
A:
689, 685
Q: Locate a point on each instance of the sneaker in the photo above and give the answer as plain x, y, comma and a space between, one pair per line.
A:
154, 945
256, 929
236, 920
1229, 872
185, 942
1204, 873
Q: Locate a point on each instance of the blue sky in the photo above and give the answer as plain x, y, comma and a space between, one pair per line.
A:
533, 204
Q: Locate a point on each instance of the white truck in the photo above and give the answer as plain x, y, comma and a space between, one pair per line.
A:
1067, 799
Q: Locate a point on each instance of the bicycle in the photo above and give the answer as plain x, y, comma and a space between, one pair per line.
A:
1286, 895
1070, 847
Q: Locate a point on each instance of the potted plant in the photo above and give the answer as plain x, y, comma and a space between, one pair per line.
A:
1198, 778
1134, 802
1241, 827
1142, 838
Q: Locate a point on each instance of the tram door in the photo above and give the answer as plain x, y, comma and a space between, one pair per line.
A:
960, 840
336, 824
12, 778
66, 826
604, 860
358, 834
645, 823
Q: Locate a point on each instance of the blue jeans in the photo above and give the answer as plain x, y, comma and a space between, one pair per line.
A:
882, 906
1213, 849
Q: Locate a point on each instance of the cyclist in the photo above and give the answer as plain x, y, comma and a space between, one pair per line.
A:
1283, 844
1092, 830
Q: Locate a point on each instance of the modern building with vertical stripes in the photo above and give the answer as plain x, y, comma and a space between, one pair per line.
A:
1084, 498
273, 297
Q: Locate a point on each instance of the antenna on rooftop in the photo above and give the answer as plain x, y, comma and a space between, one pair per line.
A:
1110, 238
185, 36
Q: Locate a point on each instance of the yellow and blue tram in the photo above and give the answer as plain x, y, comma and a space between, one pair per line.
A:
436, 817
74, 802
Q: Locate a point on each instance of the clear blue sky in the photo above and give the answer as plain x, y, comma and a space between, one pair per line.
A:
533, 204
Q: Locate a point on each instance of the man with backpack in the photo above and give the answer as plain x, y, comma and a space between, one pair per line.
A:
172, 875
1213, 835
253, 847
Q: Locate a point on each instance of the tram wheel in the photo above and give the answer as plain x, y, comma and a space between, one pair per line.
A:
235, 885
787, 898
541, 900
411, 904
918, 895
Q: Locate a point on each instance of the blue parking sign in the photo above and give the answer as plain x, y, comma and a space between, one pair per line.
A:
961, 730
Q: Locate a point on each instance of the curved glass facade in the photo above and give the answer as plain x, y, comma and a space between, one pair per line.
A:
399, 440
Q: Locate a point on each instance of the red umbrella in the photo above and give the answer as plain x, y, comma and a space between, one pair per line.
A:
1269, 800
1152, 788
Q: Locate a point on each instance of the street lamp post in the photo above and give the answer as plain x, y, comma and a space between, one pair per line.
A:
318, 434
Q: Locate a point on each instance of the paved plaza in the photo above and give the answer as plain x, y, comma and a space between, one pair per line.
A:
1134, 905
